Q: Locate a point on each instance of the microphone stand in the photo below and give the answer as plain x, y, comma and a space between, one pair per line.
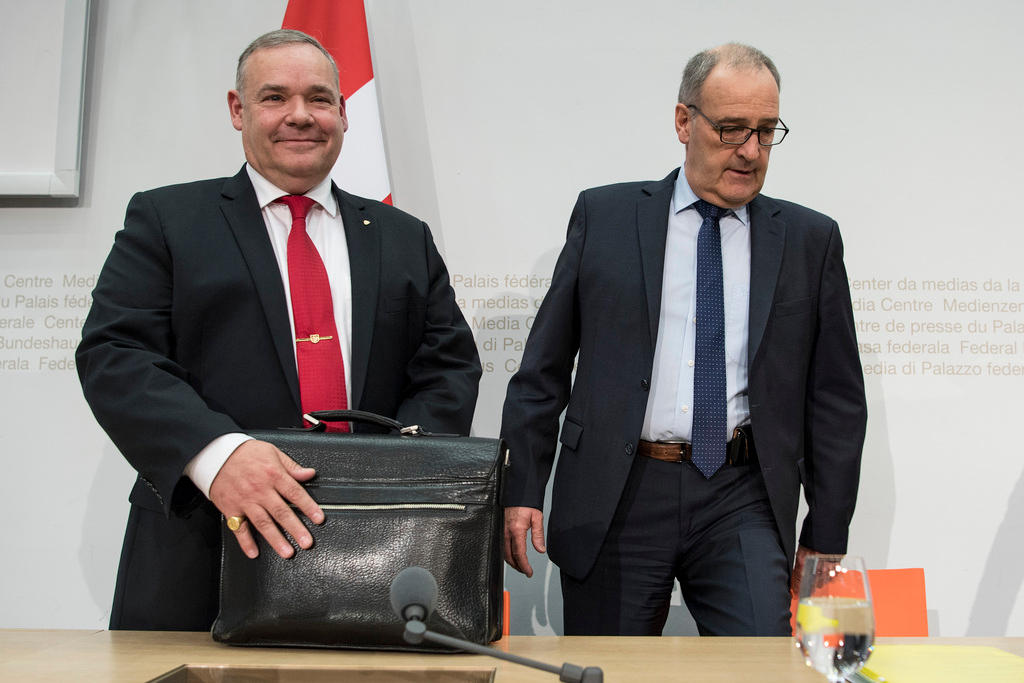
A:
416, 632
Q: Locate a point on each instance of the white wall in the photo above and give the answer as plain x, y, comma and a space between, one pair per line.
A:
495, 116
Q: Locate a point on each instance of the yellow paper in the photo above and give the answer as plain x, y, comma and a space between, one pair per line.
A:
812, 619
941, 663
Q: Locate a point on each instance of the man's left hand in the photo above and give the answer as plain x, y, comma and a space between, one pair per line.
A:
798, 569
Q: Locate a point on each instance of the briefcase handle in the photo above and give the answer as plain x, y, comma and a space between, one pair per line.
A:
357, 416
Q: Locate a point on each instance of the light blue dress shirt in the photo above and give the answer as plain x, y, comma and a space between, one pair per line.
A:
669, 414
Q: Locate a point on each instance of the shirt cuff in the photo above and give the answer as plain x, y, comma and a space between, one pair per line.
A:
203, 468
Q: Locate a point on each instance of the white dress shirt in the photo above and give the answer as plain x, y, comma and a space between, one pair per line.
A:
669, 414
325, 228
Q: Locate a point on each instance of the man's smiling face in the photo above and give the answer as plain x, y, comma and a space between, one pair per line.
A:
291, 115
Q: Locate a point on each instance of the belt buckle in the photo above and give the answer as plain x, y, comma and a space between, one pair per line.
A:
676, 448
679, 447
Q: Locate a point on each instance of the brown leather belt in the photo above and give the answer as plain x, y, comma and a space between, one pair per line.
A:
739, 451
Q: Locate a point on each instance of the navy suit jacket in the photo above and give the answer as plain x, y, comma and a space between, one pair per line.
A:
188, 338
806, 390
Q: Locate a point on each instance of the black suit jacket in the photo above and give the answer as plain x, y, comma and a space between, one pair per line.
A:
806, 391
188, 339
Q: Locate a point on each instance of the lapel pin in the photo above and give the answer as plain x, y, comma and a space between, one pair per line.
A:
366, 221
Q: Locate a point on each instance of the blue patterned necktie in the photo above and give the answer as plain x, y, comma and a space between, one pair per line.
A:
709, 403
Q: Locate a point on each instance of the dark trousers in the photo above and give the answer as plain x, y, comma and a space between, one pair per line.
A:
716, 536
169, 572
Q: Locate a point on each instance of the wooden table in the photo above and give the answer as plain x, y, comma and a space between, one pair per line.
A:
141, 656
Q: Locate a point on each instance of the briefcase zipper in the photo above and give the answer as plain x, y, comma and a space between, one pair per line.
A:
396, 506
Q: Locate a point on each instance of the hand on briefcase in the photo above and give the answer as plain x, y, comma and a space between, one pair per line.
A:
391, 501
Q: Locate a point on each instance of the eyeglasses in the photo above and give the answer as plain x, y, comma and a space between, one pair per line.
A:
737, 135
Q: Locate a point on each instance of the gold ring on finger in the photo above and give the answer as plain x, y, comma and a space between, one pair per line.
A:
235, 522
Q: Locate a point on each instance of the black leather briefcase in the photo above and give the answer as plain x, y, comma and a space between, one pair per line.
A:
391, 501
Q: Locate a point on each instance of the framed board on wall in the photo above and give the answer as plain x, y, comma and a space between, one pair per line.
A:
42, 50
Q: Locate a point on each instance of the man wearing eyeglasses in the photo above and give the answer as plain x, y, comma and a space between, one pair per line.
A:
716, 372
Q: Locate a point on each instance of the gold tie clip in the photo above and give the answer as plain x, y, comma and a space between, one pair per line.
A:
315, 338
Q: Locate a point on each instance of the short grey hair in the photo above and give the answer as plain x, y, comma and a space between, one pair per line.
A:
282, 36
734, 55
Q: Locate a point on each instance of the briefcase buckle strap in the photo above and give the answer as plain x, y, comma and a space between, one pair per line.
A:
317, 418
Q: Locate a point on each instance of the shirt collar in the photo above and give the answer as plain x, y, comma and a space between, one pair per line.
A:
267, 192
683, 198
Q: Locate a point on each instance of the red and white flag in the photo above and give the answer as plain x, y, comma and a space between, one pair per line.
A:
340, 26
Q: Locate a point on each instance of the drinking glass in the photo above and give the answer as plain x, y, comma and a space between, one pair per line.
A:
835, 624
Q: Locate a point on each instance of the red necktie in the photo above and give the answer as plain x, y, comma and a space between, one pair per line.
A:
317, 347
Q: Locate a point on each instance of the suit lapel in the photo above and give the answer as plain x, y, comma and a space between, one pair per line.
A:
652, 229
767, 240
241, 209
362, 234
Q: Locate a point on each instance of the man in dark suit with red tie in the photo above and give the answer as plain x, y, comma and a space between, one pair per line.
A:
243, 303
717, 371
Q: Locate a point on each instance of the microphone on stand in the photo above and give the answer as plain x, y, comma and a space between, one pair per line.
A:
413, 597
